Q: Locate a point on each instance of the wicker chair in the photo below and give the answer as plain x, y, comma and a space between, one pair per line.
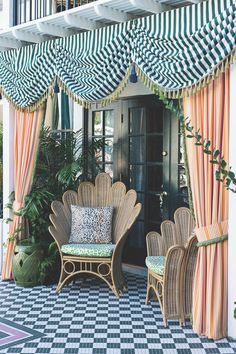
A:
171, 280
125, 213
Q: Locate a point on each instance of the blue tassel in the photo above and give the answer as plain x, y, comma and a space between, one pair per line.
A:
56, 88
133, 76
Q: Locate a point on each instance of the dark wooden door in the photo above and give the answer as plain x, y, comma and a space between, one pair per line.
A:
146, 167
143, 150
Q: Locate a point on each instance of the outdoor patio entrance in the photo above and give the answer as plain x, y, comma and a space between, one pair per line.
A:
143, 149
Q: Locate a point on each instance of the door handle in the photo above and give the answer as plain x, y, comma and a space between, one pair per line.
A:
162, 194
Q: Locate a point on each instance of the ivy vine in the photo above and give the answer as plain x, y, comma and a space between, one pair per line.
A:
223, 173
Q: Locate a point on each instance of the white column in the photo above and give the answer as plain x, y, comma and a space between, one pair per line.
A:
8, 136
8, 166
232, 209
6, 14
78, 117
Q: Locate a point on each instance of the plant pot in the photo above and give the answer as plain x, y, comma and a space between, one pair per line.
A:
25, 264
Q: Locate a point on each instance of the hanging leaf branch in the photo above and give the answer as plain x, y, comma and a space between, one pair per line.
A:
223, 173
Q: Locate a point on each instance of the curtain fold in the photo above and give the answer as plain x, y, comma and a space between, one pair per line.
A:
26, 140
208, 111
52, 112
65, 111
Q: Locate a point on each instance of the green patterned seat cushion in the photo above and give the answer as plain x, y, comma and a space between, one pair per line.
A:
88, 250
156, 264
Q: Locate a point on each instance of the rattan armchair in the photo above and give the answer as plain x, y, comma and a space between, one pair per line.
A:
185, 225
126, 211
171, 263
164, 283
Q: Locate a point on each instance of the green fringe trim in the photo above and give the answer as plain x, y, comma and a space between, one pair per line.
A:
186, 92
35, 105
212, 241
116, 94
222, 67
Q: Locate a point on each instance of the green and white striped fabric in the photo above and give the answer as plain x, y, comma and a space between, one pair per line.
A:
26, 74
174, 50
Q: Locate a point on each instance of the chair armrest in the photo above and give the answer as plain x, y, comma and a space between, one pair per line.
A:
155, 244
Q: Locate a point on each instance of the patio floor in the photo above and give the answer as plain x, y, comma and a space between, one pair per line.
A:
87, 318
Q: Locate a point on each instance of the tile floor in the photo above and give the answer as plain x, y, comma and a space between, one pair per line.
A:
87, 318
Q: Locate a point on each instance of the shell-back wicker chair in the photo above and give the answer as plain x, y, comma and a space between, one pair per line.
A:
171, 264
126, 211
164, 275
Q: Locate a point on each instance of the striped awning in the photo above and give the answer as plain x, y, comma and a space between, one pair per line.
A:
178, 51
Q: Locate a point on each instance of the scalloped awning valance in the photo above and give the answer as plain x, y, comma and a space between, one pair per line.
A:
177, 51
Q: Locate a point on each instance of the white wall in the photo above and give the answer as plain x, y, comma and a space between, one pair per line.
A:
232, 210
137, 89
5, 14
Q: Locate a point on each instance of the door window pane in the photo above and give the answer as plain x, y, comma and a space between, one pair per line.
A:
97, 123
136, 120
181, 149
154, 178
109, 169
137, 235
154, 148
98, 155
109, 150
109, 122
136, 149
153, 207
155, 120
151, 226
182, 178
141, 199
137, 177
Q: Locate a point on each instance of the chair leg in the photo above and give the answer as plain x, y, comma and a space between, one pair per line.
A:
147, 296
62, 278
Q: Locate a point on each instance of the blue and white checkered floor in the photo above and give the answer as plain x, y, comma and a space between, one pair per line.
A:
87, 318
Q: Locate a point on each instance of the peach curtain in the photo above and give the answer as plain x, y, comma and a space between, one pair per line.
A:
208, 111
27, 129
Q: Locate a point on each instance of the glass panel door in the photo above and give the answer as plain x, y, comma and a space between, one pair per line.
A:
141, 148
102, 126
145, 143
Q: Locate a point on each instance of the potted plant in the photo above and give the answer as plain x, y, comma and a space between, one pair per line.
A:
29, 252
62, 163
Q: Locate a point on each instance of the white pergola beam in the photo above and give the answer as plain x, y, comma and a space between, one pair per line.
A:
81, 22
10, 43
53, 30
149, 5
111, 14
26, 36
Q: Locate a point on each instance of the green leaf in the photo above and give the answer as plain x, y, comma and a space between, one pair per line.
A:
231, 175
218, 175
223, 163
208, 152
216, 153
215, 162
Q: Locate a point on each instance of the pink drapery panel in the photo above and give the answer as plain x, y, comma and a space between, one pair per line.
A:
27, 129
209, 112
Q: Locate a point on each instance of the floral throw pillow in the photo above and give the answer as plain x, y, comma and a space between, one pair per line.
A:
91, 225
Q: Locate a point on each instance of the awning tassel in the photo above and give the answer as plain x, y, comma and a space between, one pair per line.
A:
133, 75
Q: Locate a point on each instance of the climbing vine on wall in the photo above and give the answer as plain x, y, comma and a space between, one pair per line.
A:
223, 172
